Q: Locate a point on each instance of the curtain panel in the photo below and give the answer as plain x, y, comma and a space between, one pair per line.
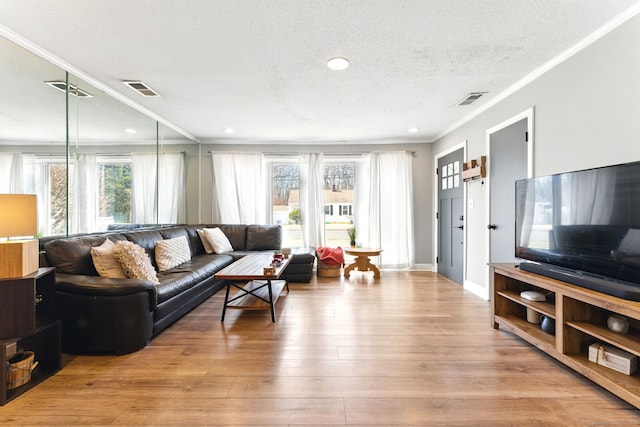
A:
240, 188
384, 197
158, 194
312, 199
84, 196
11, 180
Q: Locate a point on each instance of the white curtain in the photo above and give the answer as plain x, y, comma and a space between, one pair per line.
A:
384, 197
240, 188
312, 199
84, 194
143, 188
150, 181
172, 187
11, 181
37, 181
591, 196
529, 207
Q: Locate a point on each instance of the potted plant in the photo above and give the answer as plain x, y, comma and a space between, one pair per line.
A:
352, 235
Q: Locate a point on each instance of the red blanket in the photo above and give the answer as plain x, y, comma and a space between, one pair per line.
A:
330, 255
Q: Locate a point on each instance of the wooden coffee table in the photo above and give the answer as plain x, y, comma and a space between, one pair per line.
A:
256, 291
362, 260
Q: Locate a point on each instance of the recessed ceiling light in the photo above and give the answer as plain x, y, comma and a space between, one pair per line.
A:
229, 130
338, 64
413, 130
130, 130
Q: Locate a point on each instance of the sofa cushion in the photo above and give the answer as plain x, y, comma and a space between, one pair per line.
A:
207, 246
73, 256
105, 262
216, 240
172, 252
236, 233
184, 276
147, 240
134, 261
173, 232
263, 237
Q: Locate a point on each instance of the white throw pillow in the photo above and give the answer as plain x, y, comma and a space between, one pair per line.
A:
207, 247
134, 261
172, 252
105, 263
217, 240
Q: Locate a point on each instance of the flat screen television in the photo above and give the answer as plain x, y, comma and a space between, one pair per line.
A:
583, 227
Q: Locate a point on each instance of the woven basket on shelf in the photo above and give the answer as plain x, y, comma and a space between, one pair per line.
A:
19, 369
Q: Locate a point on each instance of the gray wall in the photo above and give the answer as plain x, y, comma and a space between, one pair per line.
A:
422, 182
586, 115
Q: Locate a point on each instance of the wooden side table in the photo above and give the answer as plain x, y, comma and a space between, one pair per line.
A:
362, 260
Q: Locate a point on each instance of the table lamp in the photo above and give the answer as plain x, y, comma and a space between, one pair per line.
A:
18, 226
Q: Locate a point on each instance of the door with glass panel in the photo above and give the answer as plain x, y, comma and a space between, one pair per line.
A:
450, 216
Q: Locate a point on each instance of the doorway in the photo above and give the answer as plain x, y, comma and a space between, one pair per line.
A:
510, 150
450, 216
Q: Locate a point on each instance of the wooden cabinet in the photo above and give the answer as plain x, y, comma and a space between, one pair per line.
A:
580, 320
27, 323
25, 302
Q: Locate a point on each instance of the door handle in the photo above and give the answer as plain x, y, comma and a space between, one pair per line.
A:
461, 227
492, 226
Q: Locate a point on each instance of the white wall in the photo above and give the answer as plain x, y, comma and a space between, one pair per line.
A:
422, 182
587, 114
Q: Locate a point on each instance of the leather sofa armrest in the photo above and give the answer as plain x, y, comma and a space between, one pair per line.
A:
100, 286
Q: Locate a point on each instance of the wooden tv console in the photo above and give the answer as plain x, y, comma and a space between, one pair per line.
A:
580, 319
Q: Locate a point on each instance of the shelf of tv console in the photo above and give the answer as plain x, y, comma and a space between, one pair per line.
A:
580, 317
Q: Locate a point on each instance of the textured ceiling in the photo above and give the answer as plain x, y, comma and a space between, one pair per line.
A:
259, 66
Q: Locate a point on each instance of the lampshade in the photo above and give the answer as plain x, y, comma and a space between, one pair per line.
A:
18, 215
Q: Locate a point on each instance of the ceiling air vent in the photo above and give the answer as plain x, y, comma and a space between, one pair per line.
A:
471, 98
141, 88
73, 89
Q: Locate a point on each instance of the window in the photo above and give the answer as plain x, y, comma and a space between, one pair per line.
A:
339, 180
114, 192
345, 210
107, 199
285, 180
46, 176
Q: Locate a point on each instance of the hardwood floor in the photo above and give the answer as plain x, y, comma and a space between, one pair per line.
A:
409, 349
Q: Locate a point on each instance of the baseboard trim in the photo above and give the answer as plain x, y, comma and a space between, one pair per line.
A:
476, 289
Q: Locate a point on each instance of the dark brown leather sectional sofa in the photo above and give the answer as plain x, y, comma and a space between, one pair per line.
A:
101, 315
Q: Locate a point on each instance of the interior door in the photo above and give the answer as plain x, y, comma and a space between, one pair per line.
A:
508, 161
451, 216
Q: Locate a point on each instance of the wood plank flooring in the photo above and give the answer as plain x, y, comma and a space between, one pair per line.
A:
410, 349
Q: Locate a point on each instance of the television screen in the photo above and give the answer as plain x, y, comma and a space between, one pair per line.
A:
586, 222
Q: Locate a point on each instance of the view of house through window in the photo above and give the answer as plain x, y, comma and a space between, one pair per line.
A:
339, 182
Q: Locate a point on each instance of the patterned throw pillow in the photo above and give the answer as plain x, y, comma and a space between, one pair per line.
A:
217, 240
105, 263
134, 261
172, 252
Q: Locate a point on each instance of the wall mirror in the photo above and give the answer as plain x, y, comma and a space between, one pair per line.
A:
94, 162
